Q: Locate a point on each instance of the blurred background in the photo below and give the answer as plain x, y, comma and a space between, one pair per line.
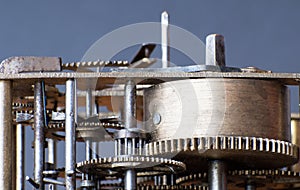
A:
264, 34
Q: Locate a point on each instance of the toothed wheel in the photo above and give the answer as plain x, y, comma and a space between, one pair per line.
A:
238, 152
169, 187
142, 164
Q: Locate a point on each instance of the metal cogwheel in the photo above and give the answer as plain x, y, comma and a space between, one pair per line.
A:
22, 106
192, 179
268, 179
144, 165
242, 152
169, 187
75, 65
84, 130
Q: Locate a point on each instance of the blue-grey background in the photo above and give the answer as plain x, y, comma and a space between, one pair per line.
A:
264, 34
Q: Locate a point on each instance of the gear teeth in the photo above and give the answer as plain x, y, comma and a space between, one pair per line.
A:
169, 187
76, 65
222, 143
17, 105
141, 163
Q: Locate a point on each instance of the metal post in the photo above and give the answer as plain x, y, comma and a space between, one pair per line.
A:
217, 175
20, 140
130, 180
39, 134
130, 104
88, 142
250, 186
130, 122
5, 134
14, 156
52, 157
70, 174
215, 50
165, 40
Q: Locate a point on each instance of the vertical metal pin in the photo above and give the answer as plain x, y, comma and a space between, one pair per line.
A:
165, 40
6, 134
39, 135
20, 140
70, 160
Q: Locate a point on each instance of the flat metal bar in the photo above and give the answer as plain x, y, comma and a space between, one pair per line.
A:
110, 77
20, 151
39, 135
70, 160
5, 134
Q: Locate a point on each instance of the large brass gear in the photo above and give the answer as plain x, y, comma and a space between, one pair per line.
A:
144, 165
239, 152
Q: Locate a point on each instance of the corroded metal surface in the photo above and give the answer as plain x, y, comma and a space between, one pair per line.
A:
218, 107
15, 65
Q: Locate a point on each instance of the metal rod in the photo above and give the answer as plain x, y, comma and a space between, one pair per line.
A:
52, 152
217, 175
88, 150
89, 103
54, 181
5, 134
70, 174
130, 104
95, 150
39, 134
130, 122
250, 186
14, 156
165, 40
32, 182
130, 180
20, 140
52, 157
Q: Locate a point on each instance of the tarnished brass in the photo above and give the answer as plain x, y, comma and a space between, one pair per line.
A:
218, 107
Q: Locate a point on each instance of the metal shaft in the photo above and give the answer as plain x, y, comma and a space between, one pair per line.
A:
130, 180
217, 175
250, 187
39, 134
165, 40
130, 122
20, 140
5, 134
130, 104
52, 157
70, 138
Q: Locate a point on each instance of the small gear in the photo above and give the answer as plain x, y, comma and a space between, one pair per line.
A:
242, 152
84, 130
144, 165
